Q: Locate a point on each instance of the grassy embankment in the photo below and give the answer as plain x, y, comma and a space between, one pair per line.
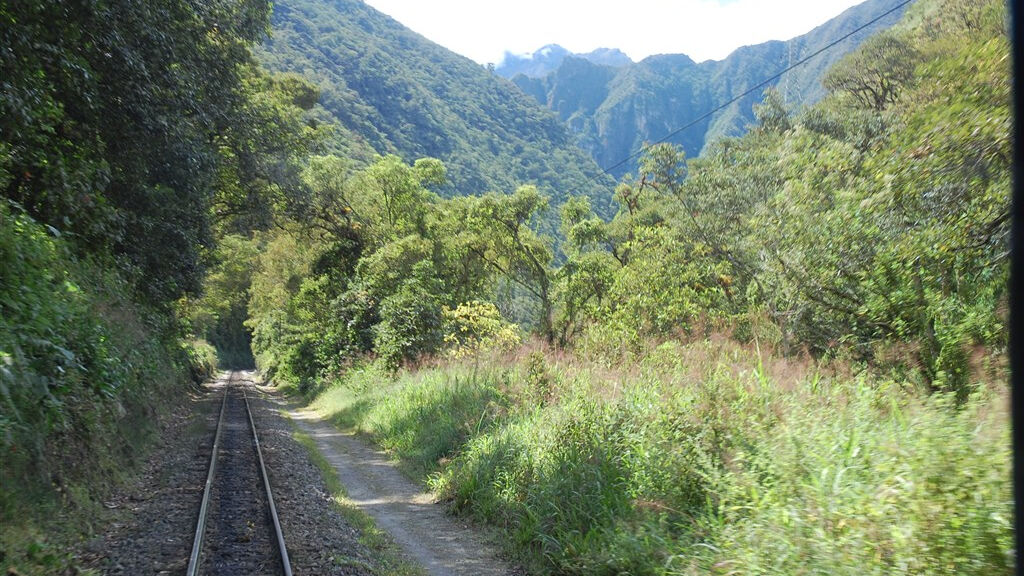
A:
83, 370
706, 458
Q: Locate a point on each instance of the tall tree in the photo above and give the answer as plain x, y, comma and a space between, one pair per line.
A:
509, 245
121, 119
877, 73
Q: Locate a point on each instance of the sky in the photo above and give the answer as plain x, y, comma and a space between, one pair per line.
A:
703, 29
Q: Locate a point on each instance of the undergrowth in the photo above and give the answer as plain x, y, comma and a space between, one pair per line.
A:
707, 458
83, 367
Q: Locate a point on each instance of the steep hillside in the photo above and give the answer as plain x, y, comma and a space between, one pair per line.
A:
393, 91
613, 111
547, 59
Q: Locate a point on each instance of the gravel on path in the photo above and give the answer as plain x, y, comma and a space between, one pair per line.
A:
146, 527
439, 542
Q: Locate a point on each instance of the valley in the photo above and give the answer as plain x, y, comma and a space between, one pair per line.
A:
444, 339
613, 107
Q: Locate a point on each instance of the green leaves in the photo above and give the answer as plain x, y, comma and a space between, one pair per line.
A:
505, 240
878, 218
125, 123
875, 74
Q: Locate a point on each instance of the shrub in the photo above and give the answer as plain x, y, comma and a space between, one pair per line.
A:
726, 469
475, 327
202, 360
411, 320
83, 366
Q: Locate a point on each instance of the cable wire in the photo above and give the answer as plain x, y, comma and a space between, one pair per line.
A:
749, 91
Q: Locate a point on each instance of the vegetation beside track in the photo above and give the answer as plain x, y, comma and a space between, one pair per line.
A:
125, 146
702, 458
85, 372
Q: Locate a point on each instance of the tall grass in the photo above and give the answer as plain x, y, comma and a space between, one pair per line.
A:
423, 418
706, 458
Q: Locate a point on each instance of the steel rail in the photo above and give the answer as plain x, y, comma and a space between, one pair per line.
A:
204, 508
282, 548
197, 542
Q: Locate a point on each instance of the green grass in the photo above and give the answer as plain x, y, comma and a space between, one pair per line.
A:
423, 418
387, 555
703, 459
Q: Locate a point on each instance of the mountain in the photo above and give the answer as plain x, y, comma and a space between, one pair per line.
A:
607, 57
392, 91
613, 111
550, 57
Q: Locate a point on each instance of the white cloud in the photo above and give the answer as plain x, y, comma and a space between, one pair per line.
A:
703, 29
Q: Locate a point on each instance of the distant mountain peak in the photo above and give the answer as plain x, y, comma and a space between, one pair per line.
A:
550, 56
607, 57
549, 51
613, 110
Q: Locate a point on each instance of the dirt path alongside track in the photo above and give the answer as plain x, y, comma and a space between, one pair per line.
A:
442, 544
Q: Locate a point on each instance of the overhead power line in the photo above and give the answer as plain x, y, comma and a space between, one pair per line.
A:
759, 86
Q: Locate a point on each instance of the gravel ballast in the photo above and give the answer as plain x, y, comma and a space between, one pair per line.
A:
147, 527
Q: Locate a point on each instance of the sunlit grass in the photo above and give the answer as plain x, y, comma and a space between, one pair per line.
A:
706, 458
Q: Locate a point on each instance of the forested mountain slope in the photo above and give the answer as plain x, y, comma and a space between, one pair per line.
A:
394, 91
613, 111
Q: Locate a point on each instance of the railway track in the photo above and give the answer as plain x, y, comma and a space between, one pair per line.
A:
238, 531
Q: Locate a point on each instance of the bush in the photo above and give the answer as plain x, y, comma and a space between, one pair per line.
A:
202, 360
411, 319
83, 366
703, 463
475, 327
52, 346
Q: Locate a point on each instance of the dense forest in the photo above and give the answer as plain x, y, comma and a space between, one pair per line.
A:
786, 355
